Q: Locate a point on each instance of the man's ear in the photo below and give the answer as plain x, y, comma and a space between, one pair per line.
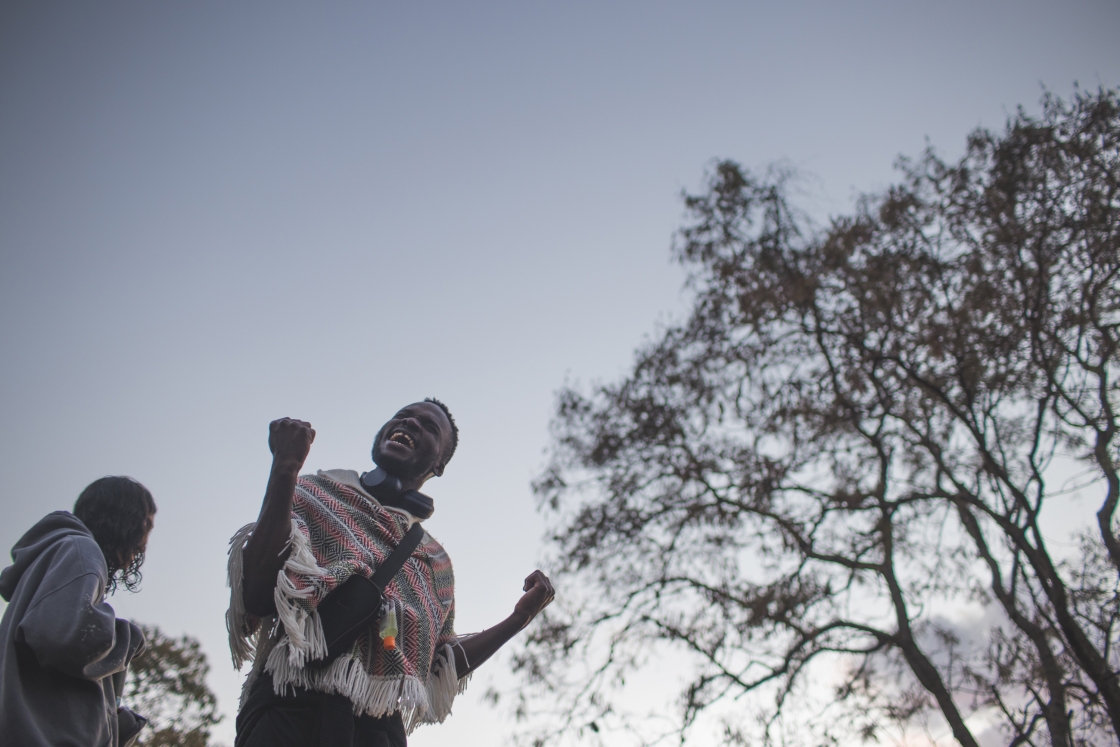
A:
438, 470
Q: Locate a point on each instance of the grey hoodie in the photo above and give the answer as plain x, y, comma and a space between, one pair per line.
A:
65, 653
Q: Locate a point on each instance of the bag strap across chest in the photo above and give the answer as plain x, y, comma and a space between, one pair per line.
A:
355, 605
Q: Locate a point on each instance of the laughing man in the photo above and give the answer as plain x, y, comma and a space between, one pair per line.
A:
316, 532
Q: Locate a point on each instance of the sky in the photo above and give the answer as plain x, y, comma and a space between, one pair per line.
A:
216, 214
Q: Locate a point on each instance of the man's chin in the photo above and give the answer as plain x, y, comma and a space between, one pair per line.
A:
403, 468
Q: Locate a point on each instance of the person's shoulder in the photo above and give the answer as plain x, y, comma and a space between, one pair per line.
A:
432, 546
60, 547
57, 535
83, 552
69, 558
347, 477
351, 480
334, 483
328, 481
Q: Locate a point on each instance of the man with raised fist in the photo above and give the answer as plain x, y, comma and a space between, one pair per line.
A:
345, 609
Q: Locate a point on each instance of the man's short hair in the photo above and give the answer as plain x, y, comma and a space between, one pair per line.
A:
449, 450
118, 512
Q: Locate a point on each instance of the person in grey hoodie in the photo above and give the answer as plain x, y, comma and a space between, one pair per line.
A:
65, 654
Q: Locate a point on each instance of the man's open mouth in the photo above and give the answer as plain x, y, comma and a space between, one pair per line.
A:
402, 438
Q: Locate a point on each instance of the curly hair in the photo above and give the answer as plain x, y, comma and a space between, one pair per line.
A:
118, 511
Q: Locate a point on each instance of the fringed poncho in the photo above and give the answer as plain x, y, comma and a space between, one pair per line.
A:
339, 530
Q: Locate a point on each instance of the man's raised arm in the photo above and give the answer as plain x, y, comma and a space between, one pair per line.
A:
265, 552
479, 647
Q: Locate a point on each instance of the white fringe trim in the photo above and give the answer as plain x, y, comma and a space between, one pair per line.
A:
443, 685
305, 639
420, 702
284, 651
247, 633
243, 639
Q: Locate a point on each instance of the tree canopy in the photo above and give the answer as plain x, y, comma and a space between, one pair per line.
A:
167, 685
830, 489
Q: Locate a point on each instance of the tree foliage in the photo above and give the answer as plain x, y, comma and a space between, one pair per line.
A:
830, 486
167, 684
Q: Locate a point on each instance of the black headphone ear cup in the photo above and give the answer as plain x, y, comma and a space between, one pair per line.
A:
381, 485
417, 504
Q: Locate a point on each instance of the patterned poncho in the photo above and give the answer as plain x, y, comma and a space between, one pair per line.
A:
339, 530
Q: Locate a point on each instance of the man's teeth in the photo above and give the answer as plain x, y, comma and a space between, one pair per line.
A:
403, 438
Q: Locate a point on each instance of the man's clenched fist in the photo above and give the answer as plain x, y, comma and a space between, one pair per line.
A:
290, 440
538, 595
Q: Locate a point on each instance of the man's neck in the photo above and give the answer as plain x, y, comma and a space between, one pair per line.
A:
413, 483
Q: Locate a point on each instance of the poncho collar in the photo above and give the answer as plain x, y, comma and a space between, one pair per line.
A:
351, 479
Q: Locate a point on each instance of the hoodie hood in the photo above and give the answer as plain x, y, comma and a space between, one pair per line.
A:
51, 528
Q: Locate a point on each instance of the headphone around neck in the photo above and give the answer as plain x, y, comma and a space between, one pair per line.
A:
387, 488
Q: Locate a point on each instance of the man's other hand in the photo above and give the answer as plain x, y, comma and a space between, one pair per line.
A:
538, 594
290, 441
479, 647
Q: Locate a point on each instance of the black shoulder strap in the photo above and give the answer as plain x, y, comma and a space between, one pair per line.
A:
396, 560
355, 605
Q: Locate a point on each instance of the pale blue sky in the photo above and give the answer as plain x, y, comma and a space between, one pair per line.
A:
215, 214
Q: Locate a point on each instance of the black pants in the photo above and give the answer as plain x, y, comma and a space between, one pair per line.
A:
311, 719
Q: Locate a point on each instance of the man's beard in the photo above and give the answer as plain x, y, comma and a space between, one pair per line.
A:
403, 469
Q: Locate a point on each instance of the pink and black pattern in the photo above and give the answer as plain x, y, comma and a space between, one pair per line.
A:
338, 531
349, 534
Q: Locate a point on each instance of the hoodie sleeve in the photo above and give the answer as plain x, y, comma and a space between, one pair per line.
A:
68, 628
